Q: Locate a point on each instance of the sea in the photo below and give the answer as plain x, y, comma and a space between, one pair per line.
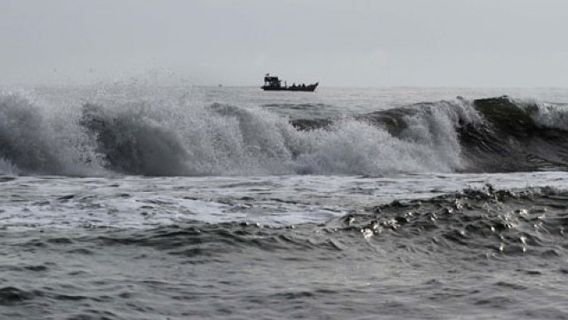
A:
139, 200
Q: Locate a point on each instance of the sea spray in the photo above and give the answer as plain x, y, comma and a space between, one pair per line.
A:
225, 139
179, 137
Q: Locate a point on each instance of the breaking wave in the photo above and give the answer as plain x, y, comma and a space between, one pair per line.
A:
484, 135
36, 140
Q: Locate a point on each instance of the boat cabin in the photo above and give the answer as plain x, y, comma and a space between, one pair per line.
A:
272, 82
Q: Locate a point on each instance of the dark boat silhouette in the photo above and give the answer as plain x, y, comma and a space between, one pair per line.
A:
272, 83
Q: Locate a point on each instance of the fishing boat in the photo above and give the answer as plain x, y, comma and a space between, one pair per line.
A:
272, 83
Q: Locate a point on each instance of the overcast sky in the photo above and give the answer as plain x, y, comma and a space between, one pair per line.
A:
486, 43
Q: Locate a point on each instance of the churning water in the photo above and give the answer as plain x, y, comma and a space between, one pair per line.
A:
149, 202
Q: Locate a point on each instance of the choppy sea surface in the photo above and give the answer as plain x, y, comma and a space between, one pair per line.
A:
141, 201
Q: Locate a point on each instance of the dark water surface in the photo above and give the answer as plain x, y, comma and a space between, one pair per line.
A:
477, 254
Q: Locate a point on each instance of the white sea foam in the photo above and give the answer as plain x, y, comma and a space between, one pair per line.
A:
551, 115
174, 137
184, 134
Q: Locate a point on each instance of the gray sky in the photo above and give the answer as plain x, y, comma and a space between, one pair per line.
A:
339, 43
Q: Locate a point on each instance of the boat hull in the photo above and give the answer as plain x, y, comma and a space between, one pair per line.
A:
308, 88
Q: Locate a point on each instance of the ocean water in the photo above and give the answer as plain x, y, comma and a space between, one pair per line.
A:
141, 201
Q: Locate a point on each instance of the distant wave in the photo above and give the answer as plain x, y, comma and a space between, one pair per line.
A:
484, 135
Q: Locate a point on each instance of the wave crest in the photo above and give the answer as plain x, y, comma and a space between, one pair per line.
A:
225, 139
484, 135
